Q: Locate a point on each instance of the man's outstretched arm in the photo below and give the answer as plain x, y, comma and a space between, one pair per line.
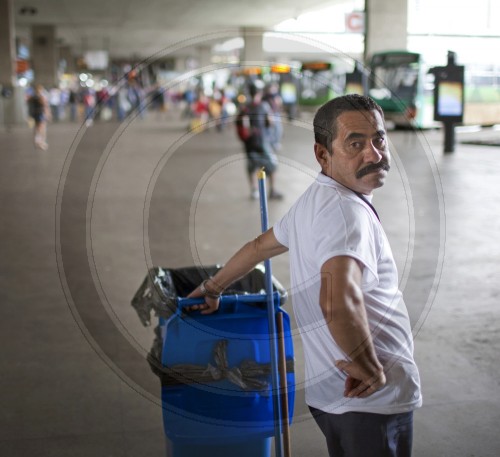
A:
261, 248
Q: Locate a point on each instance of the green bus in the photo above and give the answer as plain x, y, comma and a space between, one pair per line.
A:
401, 84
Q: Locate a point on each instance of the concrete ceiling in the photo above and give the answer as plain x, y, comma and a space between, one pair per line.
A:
134, 28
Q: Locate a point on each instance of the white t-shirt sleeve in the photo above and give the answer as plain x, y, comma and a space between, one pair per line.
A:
280, 230
353, 236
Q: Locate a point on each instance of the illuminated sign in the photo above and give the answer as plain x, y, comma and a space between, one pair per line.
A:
316, 66
448, 93
280, 68
449, 102
252, 71
355, 22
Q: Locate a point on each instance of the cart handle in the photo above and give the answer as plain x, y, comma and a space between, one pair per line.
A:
183, 302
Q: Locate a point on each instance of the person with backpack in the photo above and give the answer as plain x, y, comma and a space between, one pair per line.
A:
38, 110
253, 124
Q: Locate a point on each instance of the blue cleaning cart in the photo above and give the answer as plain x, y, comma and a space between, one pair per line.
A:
216, 378
228, 383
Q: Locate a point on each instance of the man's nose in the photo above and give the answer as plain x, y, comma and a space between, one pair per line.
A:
372, 154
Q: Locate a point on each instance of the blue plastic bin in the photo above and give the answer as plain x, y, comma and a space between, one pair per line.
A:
218, 417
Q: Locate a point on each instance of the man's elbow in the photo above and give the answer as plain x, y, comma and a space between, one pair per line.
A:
344, 306
264, 247
255, 250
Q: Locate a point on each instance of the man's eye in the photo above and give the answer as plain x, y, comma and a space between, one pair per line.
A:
356, 144
379, 141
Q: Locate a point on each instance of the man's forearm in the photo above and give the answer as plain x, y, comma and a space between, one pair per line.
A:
343, 306
236, 267
349, 328
245, 259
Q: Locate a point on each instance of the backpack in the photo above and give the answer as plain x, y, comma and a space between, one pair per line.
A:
250, 122
35, 106
243, 129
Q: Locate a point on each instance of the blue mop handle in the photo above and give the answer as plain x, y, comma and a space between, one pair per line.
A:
272, 323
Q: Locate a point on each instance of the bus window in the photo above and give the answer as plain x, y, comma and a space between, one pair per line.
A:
400, 82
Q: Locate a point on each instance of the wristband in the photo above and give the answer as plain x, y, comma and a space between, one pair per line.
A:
207, 293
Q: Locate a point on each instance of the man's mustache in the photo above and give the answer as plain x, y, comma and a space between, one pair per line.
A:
373, 167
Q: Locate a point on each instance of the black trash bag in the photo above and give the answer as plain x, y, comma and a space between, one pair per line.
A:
162, 286
157, 293
249, 375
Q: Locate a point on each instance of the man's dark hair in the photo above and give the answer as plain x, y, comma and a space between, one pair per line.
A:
325, 120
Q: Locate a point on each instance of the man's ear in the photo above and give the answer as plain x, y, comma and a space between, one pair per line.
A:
321, 154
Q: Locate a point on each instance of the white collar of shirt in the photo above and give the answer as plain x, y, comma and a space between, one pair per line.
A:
327, 181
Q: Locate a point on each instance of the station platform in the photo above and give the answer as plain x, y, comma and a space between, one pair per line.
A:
83, 221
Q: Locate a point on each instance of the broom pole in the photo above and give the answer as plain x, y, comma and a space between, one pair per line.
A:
272, 323
287, 449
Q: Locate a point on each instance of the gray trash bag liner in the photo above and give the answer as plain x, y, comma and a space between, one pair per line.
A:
162, 286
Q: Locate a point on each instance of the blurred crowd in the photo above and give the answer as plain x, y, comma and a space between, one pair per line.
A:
201, 108
89, 105
198, 106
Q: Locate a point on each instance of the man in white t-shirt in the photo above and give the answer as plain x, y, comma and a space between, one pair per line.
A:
362, 383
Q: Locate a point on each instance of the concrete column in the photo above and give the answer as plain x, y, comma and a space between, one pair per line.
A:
386, 26
253, 50
12, 106
66, 54
7, 44
45, 55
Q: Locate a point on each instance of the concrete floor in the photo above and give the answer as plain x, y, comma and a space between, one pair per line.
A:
83, 221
